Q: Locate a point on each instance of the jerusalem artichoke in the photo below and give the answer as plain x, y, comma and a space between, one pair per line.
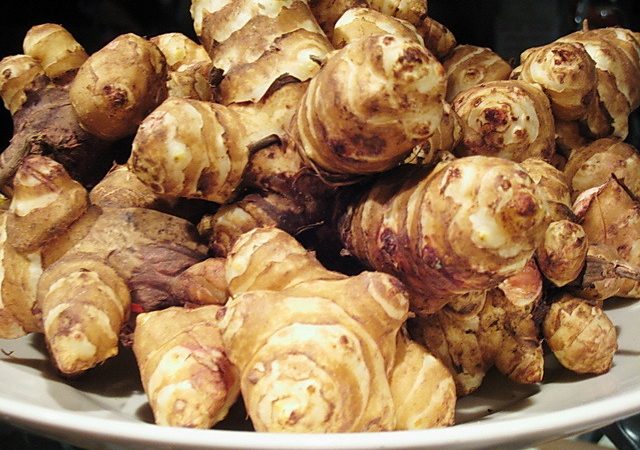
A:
510, 119
313, 335
183, 366
592, 165
609, 216
46, 205
45, 122
467, 66
188, 66
371, 103
423, 390
580, 335
465, 227
358, 23
55, 49
118, 86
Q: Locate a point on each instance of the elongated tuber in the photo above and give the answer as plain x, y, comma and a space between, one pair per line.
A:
313, 335
83, 303
191, 148
46, 206
423, 390
465, 227
185, 372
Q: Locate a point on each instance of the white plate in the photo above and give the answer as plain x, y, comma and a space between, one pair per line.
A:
107, 409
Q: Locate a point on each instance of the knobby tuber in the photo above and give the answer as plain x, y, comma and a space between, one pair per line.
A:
591, 165
467, 66
313, 335
188, 66
580, 335
506, 118
475, 331
185, 372
296, 115
591, 78
359, 23
465, 227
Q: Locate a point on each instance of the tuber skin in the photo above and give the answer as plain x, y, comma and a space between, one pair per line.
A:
273, 44
203, 283
191, 148
122, 189
185, 372
438, 39
591, 165
55, 49
330, 14
11, 326
552, 187
44, 122
118, 86
566, 73
580, 335
446, 137
188, 66
46, 205
359, 23
453, 335
562, 254
287, 311
423, 390
372, 102
413, 11
506, 118
490, 221
83, 303
467, 66
609, 217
